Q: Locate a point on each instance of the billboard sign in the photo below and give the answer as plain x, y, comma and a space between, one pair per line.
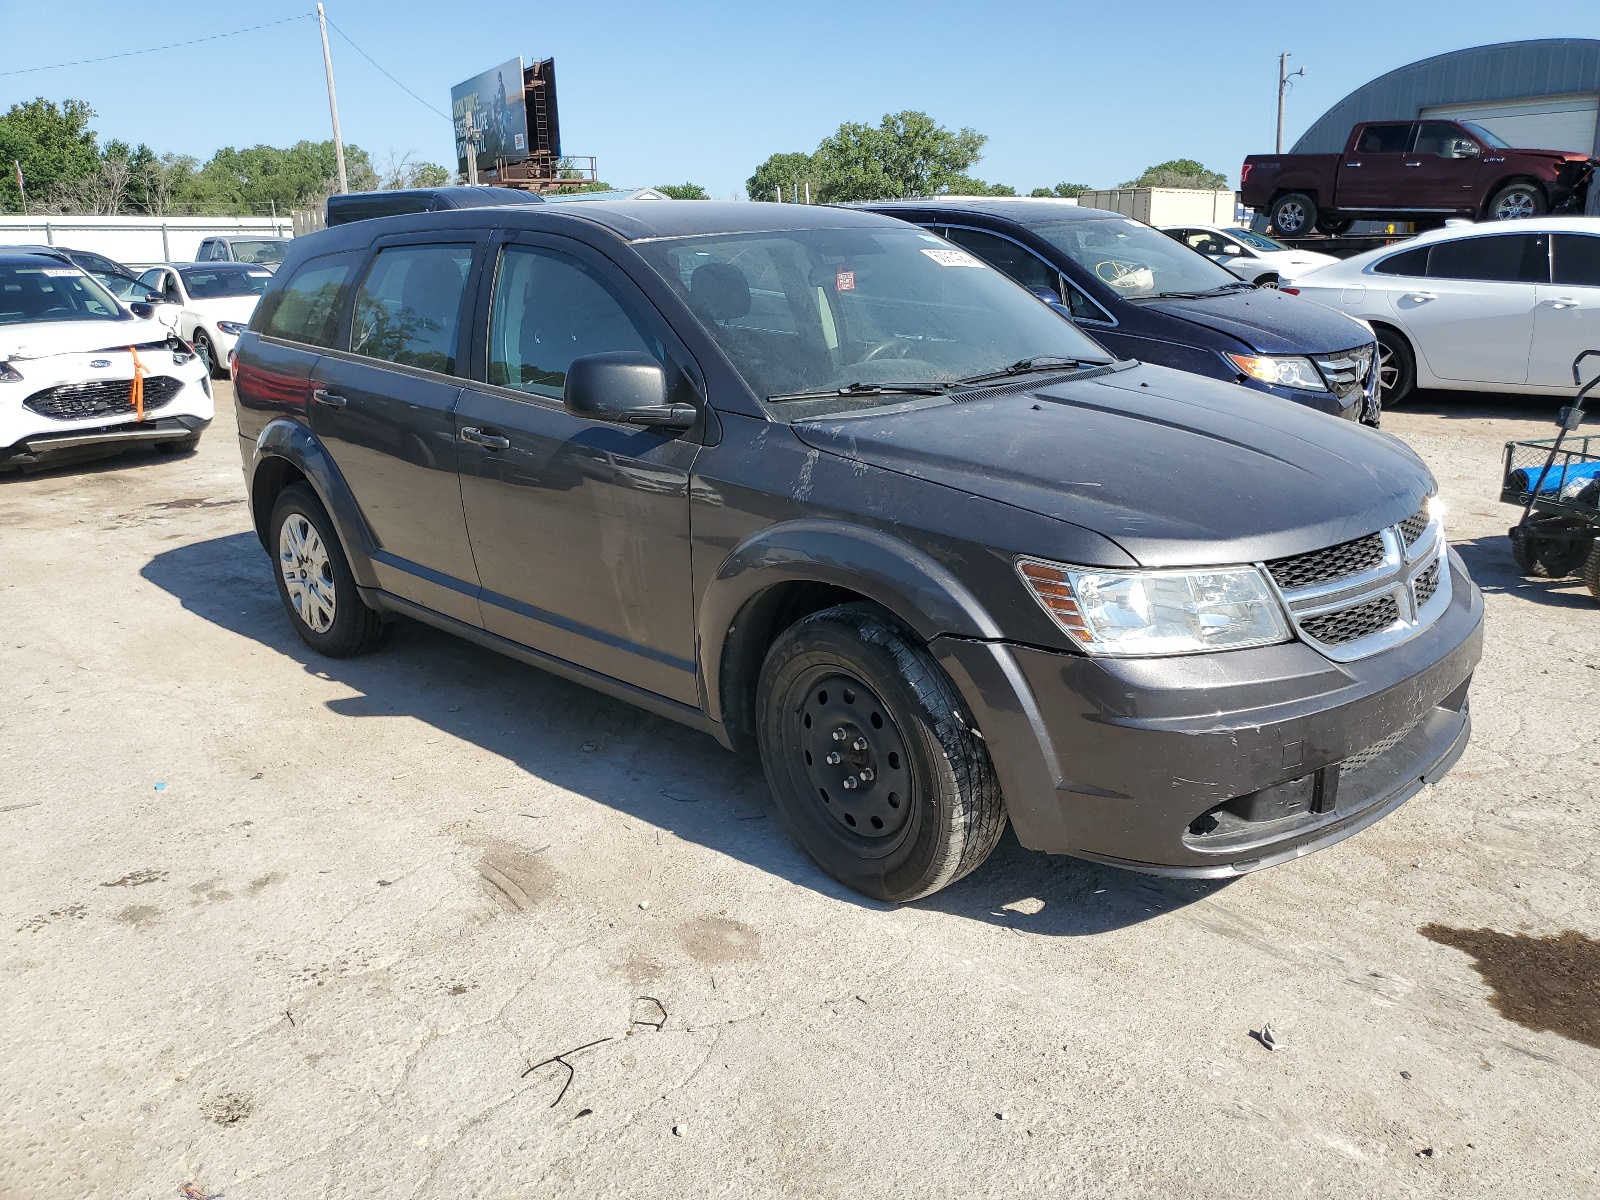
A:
490, 109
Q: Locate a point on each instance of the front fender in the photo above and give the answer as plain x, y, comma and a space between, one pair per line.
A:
916, 588
292, 442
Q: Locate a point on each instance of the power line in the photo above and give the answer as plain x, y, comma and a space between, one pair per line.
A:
83, 62
391, 78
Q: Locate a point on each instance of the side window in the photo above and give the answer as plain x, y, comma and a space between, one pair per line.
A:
548, 309
306, 309
1577, 259
1384, 139
408, 309
151, 279
1205, 242
1022, 264
1408, 262
1083, 308
1440, 139
1507, 258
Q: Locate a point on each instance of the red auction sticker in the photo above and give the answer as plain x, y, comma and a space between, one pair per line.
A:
845, 281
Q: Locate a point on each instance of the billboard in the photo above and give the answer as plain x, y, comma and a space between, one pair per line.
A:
491, 105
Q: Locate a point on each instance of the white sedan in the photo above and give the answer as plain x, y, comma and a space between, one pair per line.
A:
1252, 256
1502, 307
216, 301
69, 358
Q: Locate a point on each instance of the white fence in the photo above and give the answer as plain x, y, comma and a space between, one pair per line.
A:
1166, 206
136, 241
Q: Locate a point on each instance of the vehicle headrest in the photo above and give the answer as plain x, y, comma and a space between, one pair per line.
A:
721, 291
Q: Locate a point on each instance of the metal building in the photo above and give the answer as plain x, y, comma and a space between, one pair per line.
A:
1538, 94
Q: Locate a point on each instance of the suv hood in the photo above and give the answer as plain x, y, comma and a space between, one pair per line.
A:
41, 339
1268, 322
1177, 469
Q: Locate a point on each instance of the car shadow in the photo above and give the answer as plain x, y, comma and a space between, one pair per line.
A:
97, 462
1495, 571
1465, 406
652, 769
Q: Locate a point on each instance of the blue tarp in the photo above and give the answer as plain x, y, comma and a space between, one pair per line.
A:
1559, 475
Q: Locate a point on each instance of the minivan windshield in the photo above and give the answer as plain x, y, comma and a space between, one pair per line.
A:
46, 290
1134, 260
845, 318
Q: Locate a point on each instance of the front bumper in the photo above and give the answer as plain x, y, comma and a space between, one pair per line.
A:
1213, 765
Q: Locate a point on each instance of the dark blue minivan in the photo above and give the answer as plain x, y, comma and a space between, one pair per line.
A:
1145, 296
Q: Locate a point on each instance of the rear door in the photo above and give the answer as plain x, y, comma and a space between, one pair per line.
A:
1373, 175
384, 407
580, 528
1441, 174
1567, 319
1471, 318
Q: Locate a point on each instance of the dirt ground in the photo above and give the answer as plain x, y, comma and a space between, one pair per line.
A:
276, 926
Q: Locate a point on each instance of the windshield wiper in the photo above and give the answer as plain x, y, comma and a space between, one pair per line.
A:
1027, 366
1216, 291
851, 390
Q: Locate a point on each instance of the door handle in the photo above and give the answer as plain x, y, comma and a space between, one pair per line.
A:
1562, 302
489, 441
1422, 296
331, 399
1415, 164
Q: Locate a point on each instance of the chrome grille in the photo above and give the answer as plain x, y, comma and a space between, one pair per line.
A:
1370, 593
1346, 371
101, 398
1366, 757
1325, 566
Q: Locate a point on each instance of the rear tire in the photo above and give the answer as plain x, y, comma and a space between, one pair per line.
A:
1334, 228
1518, 200
1269, 280
845, 695
1397, 368
314, 579
1293, 214
1548, 557
1591, 571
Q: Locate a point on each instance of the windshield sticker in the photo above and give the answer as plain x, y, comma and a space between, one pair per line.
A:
954, 258
928, 237
259, 274
58, 272
844, 281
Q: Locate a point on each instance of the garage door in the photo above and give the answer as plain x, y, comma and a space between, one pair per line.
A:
1550, 123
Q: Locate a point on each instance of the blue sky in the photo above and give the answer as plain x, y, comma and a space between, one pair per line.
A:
703, 90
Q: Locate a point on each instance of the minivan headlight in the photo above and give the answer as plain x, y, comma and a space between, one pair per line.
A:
1283, 372
1157, 612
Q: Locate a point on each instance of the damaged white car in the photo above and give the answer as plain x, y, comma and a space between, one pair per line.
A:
81, 375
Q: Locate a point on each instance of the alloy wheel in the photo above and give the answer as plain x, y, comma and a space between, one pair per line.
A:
1514, 206
1388, 370
202, 347
1291, 218
307, 572
854, 757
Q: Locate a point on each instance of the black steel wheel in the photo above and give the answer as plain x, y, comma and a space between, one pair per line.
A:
1397, 368
872, 758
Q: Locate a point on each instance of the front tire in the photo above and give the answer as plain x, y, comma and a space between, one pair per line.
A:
1293, 214
1397, 368
207, 351
1548, 557
1269, 280
1591, 571
872, 756
314, 579
1518, 200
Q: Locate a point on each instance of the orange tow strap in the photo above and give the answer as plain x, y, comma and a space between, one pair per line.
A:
136, 393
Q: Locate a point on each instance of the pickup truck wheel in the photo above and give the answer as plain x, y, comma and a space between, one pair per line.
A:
1517, 200
1397, 368
1294, 214
872, 756
314, 580
1333, 228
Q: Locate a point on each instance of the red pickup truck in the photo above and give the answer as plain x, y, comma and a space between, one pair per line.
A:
1423, 171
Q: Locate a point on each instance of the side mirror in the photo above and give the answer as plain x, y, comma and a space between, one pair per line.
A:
142, 310
625, 388
1465, 148
1232, 248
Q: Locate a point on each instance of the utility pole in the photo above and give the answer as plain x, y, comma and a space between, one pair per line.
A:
1283, 87
333, 103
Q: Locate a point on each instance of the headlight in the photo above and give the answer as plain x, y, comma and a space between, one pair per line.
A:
1284, 372
1157, 612
233, 328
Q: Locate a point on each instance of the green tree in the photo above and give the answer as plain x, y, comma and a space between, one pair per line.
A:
54, 144
782, 172
1064, 191
259, 179
684, 191
1180, 173
905, 154
962, 185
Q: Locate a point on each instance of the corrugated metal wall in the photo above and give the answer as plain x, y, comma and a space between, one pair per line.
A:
1508, 71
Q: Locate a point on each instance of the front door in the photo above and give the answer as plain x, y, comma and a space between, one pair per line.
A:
1440, 172
1472, 317
385, 410
1567, 319
580, 528
1373, 175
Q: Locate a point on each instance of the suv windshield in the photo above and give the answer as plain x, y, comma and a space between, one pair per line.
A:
263, 250
48, 291
1134, 260
820, 310
210, 283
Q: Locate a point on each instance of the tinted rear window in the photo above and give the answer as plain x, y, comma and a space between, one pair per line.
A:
1407, 262
342, 210
1577, 259
307, 308
1384, 139
1508, 258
